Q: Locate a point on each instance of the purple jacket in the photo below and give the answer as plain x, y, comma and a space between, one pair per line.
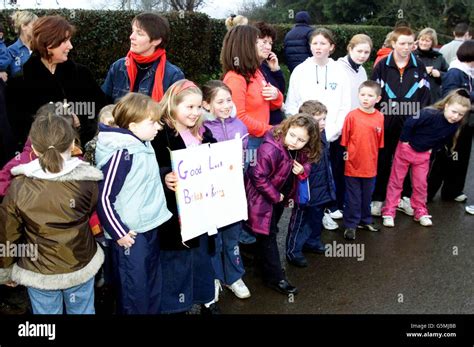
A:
223, 130
264, 181
24, 157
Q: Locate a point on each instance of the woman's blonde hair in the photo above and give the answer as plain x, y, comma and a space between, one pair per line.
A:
358, 39
20, 18
457, 96
134, 108
172, 98
234, 20
431, 33
313, 148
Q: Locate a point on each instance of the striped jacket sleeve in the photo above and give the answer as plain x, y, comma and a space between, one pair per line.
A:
115, 173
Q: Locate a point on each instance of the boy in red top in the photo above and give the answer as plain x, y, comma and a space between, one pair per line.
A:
362, 135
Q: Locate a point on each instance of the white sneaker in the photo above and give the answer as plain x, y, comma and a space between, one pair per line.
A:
336, 214
328, 222
376, 208
404, 205
217, 289
240, 289
461, 198
425, 221
388, 221
470, 209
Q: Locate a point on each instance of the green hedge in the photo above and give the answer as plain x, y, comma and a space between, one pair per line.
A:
102, 37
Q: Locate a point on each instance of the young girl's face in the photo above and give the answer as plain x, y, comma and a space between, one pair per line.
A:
146, 129
188, 111
321, 47
221, 104
296, 138
360, 53
454, 112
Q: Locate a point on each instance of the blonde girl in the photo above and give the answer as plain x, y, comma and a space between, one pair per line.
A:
188, 275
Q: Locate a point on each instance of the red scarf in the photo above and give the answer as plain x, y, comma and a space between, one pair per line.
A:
131, 62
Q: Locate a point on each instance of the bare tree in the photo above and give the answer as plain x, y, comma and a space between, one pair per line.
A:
185, 5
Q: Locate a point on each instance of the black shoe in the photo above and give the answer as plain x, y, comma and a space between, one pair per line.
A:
211, 310
350, 234
321, 249
283, 287
299, 262
369, 227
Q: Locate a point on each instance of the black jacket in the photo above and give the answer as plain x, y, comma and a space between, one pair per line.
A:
164, 142
37, 86
402, 95
436, 60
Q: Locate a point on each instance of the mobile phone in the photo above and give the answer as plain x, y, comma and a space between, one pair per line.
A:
269, 57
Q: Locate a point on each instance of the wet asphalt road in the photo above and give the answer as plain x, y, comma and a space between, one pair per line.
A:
408, 269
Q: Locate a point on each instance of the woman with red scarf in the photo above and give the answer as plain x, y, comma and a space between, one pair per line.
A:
145, 69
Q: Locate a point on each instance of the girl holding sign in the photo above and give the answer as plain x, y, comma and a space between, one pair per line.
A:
188, 275
283, 159
225, 126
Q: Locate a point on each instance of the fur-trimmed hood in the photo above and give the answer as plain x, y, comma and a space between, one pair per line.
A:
73, 170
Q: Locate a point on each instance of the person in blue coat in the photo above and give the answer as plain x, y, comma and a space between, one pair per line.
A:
145, 69
296, 43
306, 223
20, 51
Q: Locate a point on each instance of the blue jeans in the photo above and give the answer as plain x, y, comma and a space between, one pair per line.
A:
77, 300
304, 230
227, 261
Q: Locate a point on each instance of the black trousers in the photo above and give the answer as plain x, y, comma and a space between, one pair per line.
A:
449, 170
336, 154
268, 249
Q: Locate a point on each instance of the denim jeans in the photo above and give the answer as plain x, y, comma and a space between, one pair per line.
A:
77, 300
227, 261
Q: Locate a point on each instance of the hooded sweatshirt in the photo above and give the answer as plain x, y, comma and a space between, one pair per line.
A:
328, 84
459, 75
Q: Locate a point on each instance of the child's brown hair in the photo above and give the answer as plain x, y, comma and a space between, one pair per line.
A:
313, 147
50, 136
313, 108
134, 108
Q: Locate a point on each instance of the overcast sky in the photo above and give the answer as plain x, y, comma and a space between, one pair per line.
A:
214, 8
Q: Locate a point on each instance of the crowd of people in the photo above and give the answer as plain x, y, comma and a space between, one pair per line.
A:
94, 188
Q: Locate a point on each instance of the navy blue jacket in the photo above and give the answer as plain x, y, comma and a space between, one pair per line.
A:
454, 79
321, 181
276, 79
296, 45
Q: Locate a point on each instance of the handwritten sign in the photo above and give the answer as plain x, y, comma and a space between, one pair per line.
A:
210, 192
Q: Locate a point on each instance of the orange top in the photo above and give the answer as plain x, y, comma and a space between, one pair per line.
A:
362, 135
252, 109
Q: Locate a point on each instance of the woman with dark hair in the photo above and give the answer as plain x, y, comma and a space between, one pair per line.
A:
449, 169
145, 69
269, 65
50, 76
